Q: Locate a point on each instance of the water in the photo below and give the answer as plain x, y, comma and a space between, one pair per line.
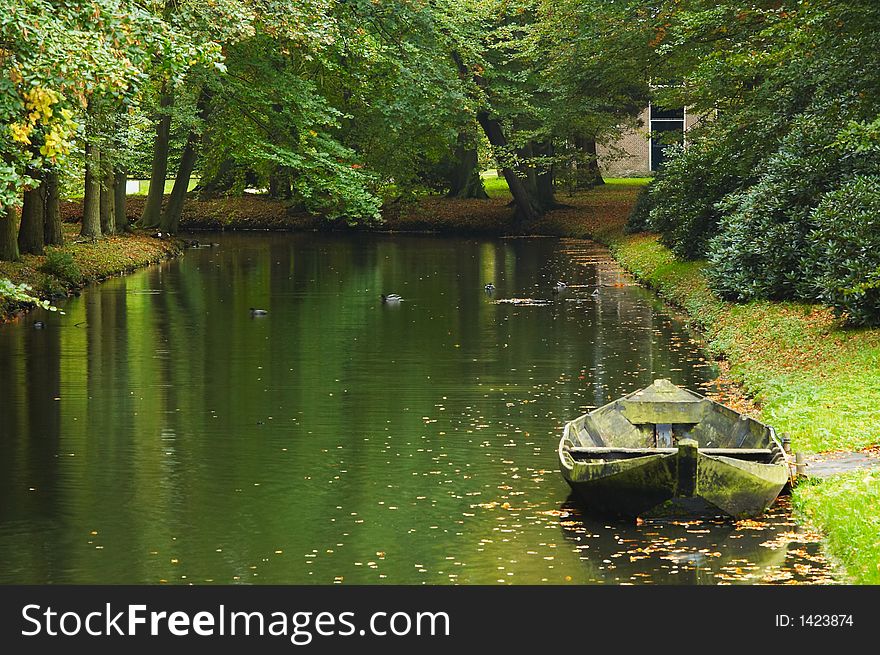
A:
158, 432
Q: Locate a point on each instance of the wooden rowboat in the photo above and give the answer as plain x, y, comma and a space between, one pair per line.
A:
667, 451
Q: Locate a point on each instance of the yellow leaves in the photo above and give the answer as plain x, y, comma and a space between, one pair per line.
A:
57, 127
21, 133
56, 142
39, 101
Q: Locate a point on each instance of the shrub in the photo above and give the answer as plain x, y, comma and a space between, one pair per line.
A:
21, 294
844, 253
685, 192
763, 240
639, 218
61, 264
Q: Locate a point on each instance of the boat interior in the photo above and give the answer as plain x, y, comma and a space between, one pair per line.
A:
656, 419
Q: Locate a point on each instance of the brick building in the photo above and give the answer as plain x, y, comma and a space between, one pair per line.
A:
639, 151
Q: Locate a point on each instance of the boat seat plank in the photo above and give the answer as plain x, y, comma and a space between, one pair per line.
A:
727, 452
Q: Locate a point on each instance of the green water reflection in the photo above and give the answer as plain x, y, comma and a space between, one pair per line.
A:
158, 432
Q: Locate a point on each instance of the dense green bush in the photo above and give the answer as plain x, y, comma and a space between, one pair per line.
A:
61, 265
685, 192
640, 216
844, 253
761, 247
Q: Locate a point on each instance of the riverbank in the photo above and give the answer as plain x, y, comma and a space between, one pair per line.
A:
66, 270
579, 215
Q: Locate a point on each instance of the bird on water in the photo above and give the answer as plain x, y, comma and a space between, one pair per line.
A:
258, 312
391, 298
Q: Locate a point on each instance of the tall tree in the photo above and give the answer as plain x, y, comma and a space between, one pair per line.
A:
30, 232
159, 169
52, 231
91, 220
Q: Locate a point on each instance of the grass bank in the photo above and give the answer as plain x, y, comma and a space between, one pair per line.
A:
845, 510
79, 263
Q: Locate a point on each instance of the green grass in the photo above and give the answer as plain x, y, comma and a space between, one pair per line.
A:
144, 186
496, 187
628, 181
844, 509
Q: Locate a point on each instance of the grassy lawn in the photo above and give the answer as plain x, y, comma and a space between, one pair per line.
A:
628, 181
496, 186
846, 511
144, 186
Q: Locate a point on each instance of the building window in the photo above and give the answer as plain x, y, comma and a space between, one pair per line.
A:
667, 128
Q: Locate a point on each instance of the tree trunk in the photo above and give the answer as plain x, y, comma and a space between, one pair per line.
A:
171, 216
108, 202
52, 231
153, 206
119, 205
30, 232
464, 178
527, 172
91, 220
8, 231
528, 209
279, 184
544, 176
588, 174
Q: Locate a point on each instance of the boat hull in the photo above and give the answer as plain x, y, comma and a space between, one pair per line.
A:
687, 482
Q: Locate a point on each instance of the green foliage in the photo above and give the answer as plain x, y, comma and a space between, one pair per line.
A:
640, 216
782, 81
844, 250
20, 294
61, 264
685, 192
58, 58
762, 247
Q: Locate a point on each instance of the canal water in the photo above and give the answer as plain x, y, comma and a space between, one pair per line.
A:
158, 432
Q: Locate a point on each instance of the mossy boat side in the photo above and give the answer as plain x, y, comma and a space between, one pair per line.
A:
667, 451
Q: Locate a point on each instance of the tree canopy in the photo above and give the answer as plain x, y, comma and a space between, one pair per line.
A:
340, 108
